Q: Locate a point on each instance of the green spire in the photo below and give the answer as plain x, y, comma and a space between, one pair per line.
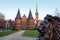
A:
36, 9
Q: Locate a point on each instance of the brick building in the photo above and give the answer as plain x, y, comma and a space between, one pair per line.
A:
26, 23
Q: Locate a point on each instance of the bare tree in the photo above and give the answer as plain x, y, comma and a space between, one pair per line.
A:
57, 13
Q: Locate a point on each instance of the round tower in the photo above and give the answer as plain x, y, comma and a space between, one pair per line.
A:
18, 21
31, 24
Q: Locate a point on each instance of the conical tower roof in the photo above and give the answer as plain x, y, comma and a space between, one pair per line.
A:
18, 15
30, 15
36, 9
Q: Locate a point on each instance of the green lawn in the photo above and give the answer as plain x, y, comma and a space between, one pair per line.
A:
8, 32
31, 33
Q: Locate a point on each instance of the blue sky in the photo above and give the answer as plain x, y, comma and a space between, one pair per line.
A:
10, 7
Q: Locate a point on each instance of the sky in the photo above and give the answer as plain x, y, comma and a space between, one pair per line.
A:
9, 8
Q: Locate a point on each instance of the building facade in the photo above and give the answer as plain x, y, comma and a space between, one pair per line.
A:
26, 23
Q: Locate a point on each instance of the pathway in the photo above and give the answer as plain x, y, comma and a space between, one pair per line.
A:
17, 36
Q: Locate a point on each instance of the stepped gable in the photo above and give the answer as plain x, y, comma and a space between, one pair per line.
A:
30, 15
24, 15
18, 15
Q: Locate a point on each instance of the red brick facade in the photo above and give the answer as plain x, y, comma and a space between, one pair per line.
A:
26, 23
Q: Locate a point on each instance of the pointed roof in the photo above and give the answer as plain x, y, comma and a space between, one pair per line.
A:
36, 9
30, 15
18, 15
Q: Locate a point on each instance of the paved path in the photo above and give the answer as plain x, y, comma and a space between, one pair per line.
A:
17, 36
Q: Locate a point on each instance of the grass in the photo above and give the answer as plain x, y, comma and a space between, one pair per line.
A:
31, 33
8, 32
